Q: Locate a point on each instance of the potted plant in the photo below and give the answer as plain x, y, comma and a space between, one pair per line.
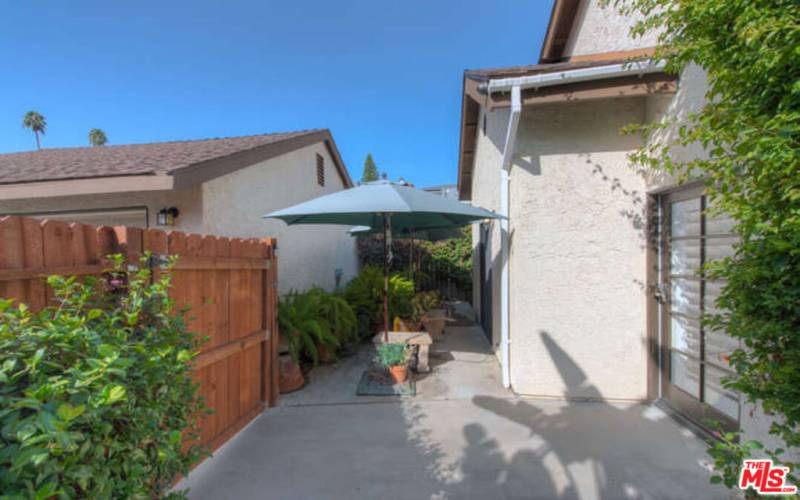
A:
304, 329
394, 357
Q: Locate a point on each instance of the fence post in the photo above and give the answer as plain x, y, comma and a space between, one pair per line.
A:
271, 375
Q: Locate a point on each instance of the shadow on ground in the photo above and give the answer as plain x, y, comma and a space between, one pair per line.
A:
462, 436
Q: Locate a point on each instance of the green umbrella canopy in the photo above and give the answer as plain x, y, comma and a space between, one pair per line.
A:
430, 234
366, 205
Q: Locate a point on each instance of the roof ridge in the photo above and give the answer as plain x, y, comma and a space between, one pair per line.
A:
295, 133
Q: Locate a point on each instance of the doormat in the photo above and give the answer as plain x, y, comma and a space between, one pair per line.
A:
376, 382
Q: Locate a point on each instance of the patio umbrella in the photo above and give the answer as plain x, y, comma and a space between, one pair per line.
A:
430, 234
386, 205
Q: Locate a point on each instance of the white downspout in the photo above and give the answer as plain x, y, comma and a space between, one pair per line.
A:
505, 177
515, 85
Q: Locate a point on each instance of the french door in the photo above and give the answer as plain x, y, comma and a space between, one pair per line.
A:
694, 359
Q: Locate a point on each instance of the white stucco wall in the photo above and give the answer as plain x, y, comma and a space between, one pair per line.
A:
188, 201
577, 318
599, 29
308, 255
578, 253
486, 194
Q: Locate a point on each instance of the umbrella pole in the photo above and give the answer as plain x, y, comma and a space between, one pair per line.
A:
411, 261
386, 232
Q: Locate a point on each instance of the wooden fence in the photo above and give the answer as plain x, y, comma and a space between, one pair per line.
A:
230, 284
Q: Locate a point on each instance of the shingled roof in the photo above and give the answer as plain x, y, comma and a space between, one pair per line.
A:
158, 158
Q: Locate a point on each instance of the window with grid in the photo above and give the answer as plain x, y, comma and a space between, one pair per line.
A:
320, 170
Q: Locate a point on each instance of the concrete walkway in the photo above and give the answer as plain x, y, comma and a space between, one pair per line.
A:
462, 436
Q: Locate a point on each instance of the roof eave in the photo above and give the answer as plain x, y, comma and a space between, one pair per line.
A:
632, 86
87, 186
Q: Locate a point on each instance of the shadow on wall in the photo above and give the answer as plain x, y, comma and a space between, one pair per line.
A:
581, 450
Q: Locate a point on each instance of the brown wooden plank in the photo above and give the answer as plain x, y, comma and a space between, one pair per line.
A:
44, 272
253, 375
129, 242
194, 291
81, 253
12, 258
155, 241
219, 380
219, 263
224, 351
106, 242
239, 294
222, 291
176, 245
57, 237
36, 295
235, 384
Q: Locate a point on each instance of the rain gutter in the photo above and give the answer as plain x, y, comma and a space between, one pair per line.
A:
515, 87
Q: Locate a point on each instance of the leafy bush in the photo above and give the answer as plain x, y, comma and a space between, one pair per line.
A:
313, 319
401, 295
392, 354
96, 394
364, 293
749, 129
448, 261
436, 263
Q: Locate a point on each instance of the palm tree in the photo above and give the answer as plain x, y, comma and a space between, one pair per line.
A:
97, 137
36, 122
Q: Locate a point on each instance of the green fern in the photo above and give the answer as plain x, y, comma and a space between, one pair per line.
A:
301, 321
313, 319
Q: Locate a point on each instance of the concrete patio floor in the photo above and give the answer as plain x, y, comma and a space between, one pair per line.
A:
462, 436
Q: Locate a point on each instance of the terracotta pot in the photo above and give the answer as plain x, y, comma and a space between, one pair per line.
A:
325, 356
291, 377
399, 373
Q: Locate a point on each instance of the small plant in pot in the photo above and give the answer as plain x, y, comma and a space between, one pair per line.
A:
394, 357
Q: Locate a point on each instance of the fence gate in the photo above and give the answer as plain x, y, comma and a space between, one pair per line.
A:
230, 284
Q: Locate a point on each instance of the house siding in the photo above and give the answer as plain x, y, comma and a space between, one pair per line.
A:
308, 254
486, 194
577, 257
232, 205
599, 29
188, 201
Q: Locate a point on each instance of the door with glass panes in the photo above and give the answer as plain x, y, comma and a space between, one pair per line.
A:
694, 358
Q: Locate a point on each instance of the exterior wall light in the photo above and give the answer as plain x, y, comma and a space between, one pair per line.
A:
167, 216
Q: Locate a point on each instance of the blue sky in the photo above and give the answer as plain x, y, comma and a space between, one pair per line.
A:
384, 76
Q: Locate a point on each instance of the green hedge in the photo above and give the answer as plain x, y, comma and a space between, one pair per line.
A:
96, 394
364, 293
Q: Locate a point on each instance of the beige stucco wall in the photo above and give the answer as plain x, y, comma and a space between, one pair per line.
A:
599, 29
308, 255
577, 306
577, 268
188, 201
486, 194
